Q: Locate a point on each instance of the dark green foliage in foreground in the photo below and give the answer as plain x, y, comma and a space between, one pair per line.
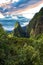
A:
21, 51
18, 53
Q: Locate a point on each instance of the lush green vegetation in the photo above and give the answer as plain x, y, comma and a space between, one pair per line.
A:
20, 51
16, 49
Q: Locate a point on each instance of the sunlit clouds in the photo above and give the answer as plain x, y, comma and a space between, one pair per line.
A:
27, 11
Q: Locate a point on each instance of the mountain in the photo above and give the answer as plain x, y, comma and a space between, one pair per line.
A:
35, 26
18, 31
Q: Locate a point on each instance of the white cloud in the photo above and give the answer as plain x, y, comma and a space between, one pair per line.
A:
15, 1
14, 17
24, 24
30, 13
8, 28
1, 15
4, 1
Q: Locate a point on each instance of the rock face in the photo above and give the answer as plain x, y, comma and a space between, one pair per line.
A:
18, 31
35, 26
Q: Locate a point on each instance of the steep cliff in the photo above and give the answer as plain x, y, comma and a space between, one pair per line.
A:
35, 26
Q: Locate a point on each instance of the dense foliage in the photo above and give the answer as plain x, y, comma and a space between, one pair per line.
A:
20, 51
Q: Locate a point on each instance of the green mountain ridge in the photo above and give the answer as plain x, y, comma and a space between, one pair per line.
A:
35, 26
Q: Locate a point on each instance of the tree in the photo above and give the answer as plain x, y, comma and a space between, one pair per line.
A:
28, 56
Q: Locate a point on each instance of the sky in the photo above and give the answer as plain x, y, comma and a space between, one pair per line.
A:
14, 8
25, 7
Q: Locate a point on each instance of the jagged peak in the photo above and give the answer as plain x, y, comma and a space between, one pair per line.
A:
17, 24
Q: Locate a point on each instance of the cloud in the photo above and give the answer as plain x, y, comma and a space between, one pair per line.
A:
8, 28
4, 1
1, 15
29, 13
14, 17
25, 24
14, 5
14, 1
